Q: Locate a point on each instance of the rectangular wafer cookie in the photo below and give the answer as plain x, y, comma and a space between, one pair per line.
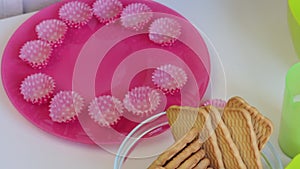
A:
192, 161
182, 119
230, 153
241, 129
262, 126
172, 151
184, 154
203, 164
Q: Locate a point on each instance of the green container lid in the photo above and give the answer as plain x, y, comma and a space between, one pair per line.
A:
295, 163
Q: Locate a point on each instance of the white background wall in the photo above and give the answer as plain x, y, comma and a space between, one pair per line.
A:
15, 7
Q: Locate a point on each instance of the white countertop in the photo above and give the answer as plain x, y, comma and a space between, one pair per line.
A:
256, 50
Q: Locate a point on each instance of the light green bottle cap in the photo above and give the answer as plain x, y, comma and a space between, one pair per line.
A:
295, 163
294, 23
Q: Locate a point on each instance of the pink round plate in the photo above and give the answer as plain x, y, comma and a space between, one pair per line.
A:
100, 59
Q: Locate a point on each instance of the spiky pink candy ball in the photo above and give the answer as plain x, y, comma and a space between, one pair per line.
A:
106, 110
135, 16
75, 14
107, 10
169, 78
65, 106
36, 53
37, 88
52, 31
164, 31
219, 103
142, 101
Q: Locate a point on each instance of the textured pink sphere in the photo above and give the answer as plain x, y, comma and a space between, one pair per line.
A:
36, 53
136, 16
169, 78
164, 31
107, 10
75, 14
37, 88
65, 106
106, 110
142, 101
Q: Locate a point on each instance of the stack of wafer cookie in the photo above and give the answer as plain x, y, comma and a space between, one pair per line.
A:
231, 139
186, 153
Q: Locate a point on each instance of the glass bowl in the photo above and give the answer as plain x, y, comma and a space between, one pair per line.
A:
153, 136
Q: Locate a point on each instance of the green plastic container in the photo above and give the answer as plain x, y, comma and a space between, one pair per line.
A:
295, 163
294, 23
289, 134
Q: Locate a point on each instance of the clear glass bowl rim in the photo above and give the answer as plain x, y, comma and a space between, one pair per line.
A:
133, 137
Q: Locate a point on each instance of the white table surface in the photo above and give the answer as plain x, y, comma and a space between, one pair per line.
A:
256, 50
